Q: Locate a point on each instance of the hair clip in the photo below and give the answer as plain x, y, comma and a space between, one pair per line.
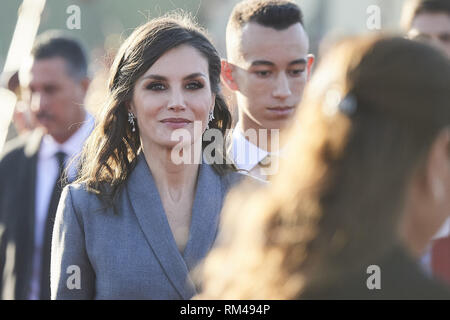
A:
348, 105
334, 103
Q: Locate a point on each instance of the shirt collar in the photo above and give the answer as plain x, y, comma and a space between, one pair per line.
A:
246, 155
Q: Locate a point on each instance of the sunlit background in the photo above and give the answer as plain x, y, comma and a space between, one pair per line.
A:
105, 22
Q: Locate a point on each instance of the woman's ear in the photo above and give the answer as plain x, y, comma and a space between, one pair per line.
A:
227, 75
213, 102
427, 203
438, 166
437, 179
130, 107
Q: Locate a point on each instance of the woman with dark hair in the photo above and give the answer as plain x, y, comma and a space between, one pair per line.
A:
145, 208
362, 189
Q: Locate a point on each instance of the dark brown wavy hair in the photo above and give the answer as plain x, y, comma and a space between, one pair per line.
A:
110, 152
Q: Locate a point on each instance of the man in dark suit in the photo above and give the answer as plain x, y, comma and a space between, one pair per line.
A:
54, 83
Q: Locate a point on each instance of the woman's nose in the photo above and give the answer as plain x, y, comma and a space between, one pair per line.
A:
176, 101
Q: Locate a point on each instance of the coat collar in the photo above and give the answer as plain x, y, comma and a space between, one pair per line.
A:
147, 205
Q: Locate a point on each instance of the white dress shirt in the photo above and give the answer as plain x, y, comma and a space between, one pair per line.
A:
46, 174
247, 156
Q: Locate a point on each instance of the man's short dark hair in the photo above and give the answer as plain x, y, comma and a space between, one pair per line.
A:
416, 7
277, 14
53, 44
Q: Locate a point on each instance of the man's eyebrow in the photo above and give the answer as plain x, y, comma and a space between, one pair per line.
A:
162, 78
298, 61
268, 63
262, 63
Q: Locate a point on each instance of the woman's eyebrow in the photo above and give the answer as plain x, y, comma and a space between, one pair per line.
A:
195, 75
162, 78
154, 77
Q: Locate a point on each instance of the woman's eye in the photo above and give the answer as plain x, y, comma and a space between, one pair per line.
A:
194, 85
156, 86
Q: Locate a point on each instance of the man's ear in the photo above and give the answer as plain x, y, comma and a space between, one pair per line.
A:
309, 64
85, 82
227, 75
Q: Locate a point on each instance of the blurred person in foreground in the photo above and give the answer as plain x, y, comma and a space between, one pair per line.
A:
364, 183
267, 68
428, 21
138, 220
53, 84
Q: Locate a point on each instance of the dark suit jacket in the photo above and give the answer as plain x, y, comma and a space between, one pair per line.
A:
132, 254
401, 279
17, 206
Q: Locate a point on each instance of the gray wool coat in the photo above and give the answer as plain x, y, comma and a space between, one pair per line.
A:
97, 254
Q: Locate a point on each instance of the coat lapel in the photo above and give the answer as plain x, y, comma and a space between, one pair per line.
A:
147, 205
205, 216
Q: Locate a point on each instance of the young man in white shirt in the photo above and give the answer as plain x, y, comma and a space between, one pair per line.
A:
55, 84
267, 67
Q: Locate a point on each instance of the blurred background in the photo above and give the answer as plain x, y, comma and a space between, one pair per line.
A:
104, 24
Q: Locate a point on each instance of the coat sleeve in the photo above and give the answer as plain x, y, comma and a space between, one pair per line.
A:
71, 274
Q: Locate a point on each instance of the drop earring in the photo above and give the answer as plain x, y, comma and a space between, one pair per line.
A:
210, 118
131, 118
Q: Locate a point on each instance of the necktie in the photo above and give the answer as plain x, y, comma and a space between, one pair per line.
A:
440, 259
54, 200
